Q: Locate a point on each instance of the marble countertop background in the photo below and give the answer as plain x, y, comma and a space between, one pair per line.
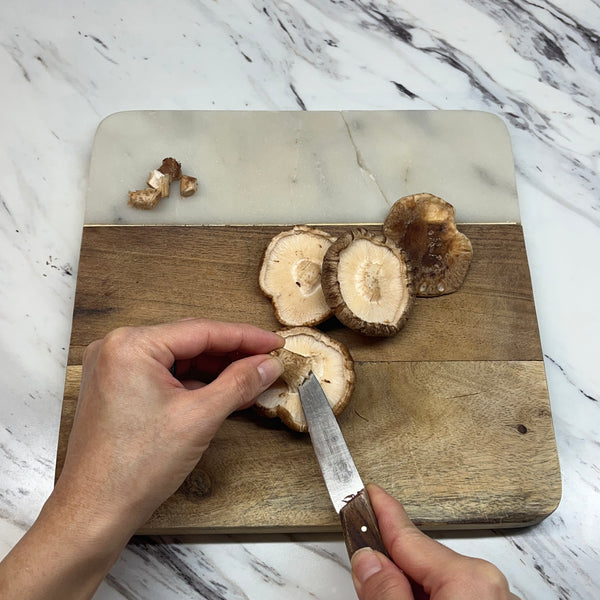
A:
66, 66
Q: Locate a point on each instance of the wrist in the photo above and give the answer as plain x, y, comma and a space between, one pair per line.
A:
96, 529
65, 554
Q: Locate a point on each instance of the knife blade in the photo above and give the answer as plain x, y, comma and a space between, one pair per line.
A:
346, 489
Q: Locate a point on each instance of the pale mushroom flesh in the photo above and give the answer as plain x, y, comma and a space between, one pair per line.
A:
290, 276
367, 283
307, 349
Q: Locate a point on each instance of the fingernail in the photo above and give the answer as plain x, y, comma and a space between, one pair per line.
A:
269, 370
365, 563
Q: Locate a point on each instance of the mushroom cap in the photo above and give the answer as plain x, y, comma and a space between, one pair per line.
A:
327, 358
367, 283
290, 275
423, 226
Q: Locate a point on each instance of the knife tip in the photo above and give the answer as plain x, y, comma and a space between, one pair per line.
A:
306, 378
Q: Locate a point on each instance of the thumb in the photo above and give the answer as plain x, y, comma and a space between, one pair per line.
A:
376, 577
240, 383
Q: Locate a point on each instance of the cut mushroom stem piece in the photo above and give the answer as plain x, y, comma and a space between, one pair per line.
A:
367, 283
290, 275
423, 225
188, 186
307, 349
296, 367
145, 199
159, 181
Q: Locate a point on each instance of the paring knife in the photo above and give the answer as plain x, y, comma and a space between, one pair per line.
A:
350, 499
347, 491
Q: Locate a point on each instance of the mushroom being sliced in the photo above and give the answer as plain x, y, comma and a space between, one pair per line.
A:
367, 283
423, 226
307, 349
290, 275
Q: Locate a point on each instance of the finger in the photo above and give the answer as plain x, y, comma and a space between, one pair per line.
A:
414, 552
238, 386
190, 338
376, 577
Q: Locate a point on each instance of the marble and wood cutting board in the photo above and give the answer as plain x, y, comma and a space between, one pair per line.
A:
452, 416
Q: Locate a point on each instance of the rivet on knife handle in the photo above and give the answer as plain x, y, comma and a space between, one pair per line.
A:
361, 530
359, 525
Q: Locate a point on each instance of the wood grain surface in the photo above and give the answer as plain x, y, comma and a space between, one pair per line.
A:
451, 416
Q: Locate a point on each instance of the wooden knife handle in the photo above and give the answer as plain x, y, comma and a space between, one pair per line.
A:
361, 530
359, 525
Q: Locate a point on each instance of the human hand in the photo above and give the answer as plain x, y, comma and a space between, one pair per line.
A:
442, 573
139, 431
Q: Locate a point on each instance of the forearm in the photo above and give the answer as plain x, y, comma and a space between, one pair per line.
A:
64, 556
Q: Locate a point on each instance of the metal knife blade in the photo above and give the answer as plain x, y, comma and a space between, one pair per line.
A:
339, 471
346, 489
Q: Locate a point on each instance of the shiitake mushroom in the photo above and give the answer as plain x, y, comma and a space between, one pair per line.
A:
307, 349
290, 275
367, 283
424, 226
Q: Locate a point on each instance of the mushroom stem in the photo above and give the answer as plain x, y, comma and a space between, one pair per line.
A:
290, 275
307, 349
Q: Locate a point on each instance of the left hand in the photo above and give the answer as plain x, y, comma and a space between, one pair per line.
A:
139, 431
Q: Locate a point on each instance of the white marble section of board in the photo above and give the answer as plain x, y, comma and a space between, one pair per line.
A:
290, 167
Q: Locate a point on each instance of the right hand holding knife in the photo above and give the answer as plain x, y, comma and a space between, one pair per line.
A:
419, 567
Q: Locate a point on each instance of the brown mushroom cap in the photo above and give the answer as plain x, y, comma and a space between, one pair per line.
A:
367, 283
290, 275
329, 360
423, 226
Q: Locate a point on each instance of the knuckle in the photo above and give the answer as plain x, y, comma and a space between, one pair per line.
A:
118, 336
116, 345
490, 572
487, 577
386, 588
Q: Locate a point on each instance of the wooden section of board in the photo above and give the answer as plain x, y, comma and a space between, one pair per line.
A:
451, 416
139, 275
